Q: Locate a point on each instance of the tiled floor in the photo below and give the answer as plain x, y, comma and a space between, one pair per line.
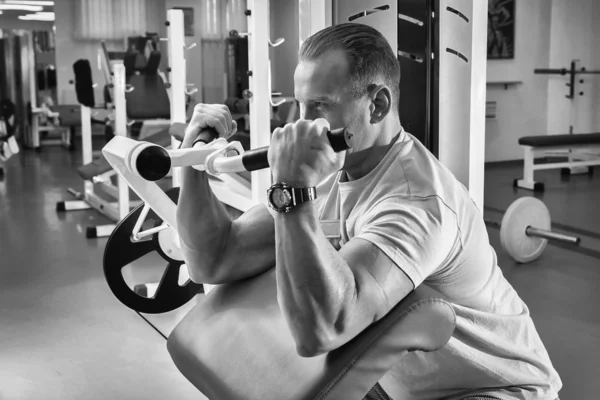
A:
64, 336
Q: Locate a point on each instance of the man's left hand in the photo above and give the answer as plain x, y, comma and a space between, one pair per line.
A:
300, 153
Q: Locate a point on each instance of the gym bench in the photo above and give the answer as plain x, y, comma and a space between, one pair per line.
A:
540, 145
235, 344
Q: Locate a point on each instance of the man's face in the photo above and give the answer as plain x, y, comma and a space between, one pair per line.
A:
323, 91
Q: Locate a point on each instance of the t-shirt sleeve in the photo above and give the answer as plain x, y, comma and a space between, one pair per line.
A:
418, 236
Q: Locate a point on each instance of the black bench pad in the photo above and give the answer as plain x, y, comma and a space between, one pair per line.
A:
100, 165
149, 99
560, 140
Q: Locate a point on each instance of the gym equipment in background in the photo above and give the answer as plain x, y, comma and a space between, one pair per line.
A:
526, 229
539, 146
573, 71
95, 172
150, 100
580, 149
140, 164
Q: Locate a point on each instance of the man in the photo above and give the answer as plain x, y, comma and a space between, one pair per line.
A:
404, 221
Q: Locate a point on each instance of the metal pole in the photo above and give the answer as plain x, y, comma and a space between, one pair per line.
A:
544, 234
177, 76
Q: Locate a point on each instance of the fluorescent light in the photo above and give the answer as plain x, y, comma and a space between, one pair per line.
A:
20, 7
30, 3
41, 16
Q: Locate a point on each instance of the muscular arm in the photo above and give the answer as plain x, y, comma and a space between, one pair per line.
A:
329, 297
217, 249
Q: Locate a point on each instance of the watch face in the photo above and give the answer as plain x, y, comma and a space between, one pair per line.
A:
281, 197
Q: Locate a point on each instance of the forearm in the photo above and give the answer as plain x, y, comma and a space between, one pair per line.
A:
203, 222
316, 288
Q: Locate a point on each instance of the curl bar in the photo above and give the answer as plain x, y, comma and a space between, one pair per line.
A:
152, 162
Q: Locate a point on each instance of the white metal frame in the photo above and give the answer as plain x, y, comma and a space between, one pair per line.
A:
259, 85
575, 160
177, 76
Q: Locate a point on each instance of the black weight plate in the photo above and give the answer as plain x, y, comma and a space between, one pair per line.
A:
120, 251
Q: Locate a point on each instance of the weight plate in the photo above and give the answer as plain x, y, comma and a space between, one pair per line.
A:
121, 251
524, 212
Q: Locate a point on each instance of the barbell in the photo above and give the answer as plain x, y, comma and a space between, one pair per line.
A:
526, 228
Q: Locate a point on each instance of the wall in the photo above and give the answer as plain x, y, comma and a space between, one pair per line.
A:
574, 35
522, 109
69, 50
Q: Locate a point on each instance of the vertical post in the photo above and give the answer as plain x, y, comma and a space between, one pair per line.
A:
86, 143
260, 111
528, 161
454, 92
478, 96
177, 76
31, 80
314, 15
121, 129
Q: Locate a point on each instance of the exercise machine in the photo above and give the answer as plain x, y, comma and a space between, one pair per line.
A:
130, 98
248, 313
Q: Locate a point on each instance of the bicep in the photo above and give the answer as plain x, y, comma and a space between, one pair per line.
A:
250, 248
380, 284
395, 249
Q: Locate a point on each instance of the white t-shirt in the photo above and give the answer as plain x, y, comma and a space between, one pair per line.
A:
414, 209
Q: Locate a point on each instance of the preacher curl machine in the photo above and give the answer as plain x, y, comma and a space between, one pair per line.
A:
244, 317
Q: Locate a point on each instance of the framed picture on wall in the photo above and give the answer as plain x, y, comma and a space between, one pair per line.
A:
501, 30
188, 19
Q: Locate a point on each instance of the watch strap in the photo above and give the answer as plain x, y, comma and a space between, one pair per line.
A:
302, 195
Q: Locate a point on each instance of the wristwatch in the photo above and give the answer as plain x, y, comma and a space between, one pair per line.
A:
283, 197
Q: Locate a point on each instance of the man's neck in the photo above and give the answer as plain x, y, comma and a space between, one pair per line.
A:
361, 163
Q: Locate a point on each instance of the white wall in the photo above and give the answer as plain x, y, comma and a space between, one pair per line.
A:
522, 109
574, 35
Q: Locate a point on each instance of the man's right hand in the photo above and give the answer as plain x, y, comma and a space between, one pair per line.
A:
215, 116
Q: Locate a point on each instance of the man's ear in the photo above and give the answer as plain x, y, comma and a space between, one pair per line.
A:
381, 102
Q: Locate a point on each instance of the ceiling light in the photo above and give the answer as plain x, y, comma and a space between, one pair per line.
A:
38, 17
30, 3
20, 7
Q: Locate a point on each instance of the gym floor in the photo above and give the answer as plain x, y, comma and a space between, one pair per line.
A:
64, 335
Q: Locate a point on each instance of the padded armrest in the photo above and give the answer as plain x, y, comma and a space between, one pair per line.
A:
235, 344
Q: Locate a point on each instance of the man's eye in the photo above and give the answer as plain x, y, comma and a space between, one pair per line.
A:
319, 104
